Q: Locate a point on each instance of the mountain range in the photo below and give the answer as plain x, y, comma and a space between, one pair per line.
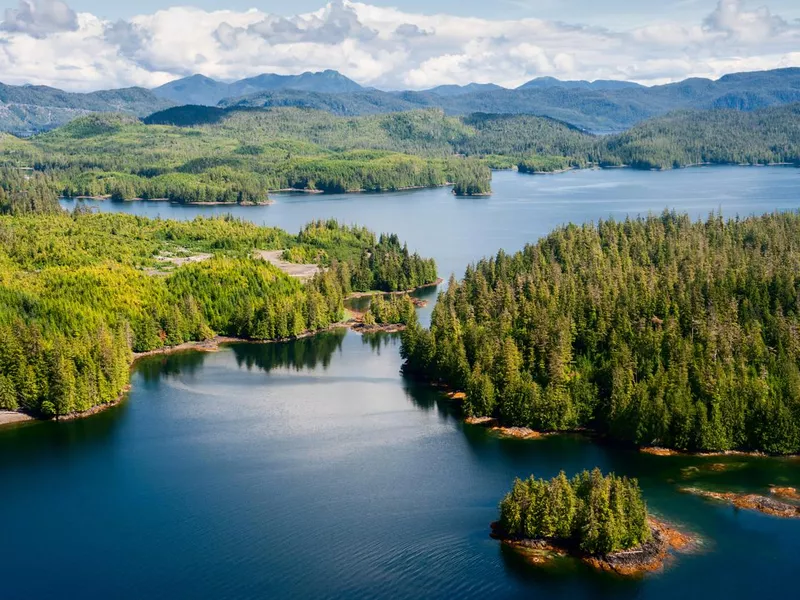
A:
204, 91
597, 106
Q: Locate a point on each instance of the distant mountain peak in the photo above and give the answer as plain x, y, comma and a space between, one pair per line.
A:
202, 90
598, 84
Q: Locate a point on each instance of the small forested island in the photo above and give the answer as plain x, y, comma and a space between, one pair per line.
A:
81, 293
194, 154
655, 331
600, 519
471, 178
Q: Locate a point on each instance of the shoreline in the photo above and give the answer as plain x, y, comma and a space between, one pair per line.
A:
356, 295
266, 202
661, 451
9, 417
526, 433
767, 505
650, 556
13, 417
592, 167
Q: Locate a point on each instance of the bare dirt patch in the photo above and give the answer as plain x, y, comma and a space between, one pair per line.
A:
300, 271
7, 417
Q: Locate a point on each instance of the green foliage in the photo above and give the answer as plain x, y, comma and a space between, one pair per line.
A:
545, 164
79, 293
716, 136
470, 177
23, 192
656, 331
598, 514
236, 156
383, 265
391, 309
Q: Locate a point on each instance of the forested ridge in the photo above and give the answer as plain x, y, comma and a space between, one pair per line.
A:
238, 156
595, 513
601, 106
654, 331
596, 106
79, 293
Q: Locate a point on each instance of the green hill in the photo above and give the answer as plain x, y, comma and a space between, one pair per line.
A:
26, 109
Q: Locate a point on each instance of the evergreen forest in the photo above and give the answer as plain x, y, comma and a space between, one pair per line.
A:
194, 154
595, 513
654, 331
81, 292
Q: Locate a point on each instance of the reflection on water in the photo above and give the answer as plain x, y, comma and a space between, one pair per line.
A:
163, 366
313, 469
336, 477
304, 354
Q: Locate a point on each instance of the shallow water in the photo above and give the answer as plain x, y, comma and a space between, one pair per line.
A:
313, 469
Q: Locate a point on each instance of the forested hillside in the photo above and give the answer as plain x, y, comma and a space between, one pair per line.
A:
79, 293
764, 136
655, 331
203, 154
198, 89
27, 109
601, 106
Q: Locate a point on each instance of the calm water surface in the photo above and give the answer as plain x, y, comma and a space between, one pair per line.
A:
313, 469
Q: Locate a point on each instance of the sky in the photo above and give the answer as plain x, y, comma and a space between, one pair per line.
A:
84, 45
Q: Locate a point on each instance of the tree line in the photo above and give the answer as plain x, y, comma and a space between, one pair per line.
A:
597, 514
79, 293
240, 156
654, 331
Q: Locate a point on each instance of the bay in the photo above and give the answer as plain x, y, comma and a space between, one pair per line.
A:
314, 469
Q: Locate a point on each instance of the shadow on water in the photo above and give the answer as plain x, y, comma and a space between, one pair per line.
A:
559, 577
304, 354
164, 366
33, 441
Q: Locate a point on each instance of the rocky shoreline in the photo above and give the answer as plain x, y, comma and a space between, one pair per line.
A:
661, 451
650, 556
521, 433
11, 417
763, 504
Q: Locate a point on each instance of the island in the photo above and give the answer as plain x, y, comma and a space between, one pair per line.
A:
600, 519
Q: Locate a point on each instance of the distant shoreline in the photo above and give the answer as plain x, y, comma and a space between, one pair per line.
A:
270, 201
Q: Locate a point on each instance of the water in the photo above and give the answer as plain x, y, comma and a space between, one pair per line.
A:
313, 469
458, 231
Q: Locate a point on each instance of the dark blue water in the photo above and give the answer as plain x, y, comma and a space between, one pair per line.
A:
313, 469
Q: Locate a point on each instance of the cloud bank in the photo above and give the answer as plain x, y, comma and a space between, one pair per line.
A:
46, 42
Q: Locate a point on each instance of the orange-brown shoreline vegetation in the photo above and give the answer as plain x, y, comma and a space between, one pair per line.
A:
651, 556
787, 492
757, 502
660, 451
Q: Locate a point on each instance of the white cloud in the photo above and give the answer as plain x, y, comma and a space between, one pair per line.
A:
731, 19
38, 18
44, 41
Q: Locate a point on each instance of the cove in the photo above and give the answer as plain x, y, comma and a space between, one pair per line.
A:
314, 469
